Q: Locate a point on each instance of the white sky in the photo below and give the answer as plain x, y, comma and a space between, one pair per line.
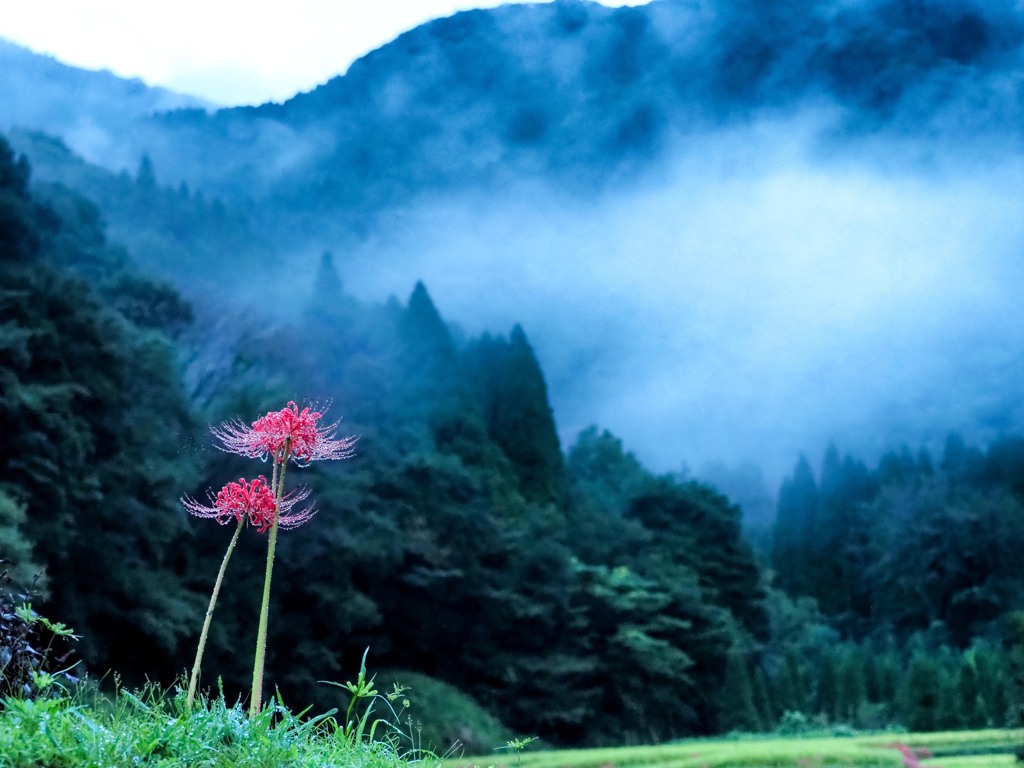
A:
227, 51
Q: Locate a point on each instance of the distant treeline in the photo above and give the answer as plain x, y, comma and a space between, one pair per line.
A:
903, 590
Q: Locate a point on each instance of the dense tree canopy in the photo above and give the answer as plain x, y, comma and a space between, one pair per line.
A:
575, 595
94, 408
578, 599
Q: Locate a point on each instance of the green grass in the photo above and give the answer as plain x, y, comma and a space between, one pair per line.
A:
440, 717
968, 749
153, 728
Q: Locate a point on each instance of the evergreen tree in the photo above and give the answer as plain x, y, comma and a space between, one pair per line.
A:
738, 710
897, 467
328, 297
874, 684
950, 713
764, 704
970, 702
698, 528
145, 177
659, 648
17, 559
519, 419
427, 371
961, 464
795, 529
427, 342
841, 548
794, 690
851, 689
826, 696
919, 699
603, 471
1014, 669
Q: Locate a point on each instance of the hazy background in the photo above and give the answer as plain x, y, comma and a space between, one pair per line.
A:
768, 292
730, 235
226, 52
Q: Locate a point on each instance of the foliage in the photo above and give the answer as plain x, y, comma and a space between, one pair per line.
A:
906, 548
599, 98
579, 597
461, 525
915, 564
28, 654
442, 719
155, 727
100, 416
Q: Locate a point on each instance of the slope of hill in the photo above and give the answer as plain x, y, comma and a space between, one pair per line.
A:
572, 91
91, 110
807, 196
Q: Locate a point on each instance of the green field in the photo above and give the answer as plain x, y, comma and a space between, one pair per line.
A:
960, 749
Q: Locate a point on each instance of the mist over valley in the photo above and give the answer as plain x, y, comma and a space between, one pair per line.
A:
730, 234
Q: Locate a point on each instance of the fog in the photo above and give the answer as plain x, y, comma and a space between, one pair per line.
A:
816, 237
771, 289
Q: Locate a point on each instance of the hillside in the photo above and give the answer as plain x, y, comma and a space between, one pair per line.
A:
570, 91
727, 194
552, 264
91, 110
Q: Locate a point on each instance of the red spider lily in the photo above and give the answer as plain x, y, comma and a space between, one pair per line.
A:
285, 434
253, 502
286, 518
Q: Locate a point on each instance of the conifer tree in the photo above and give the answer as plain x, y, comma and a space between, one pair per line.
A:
851, 692
738, 710
794, 531
992, 683
764, 705
920, 695
793, 695
826, 696
328, 291
1014, 669
518, 415
17, 559
427, 372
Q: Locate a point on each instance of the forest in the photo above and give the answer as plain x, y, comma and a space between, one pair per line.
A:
574, 595
541, 261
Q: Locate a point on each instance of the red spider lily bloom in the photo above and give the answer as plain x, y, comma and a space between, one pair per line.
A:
253, 502
285, 434
286, 518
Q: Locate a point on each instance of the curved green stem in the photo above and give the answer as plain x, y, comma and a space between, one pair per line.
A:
277, 483
193, 683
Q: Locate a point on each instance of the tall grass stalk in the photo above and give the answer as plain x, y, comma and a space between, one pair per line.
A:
194, 679
277, 484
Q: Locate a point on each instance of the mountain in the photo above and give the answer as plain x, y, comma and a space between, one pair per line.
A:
91, 110
580, 95
571, 91
731, 231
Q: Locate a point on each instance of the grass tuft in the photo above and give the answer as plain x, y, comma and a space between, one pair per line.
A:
153, 727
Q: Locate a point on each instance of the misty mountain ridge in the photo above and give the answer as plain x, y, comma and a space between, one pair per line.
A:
576, 91
88, 109
730, 231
